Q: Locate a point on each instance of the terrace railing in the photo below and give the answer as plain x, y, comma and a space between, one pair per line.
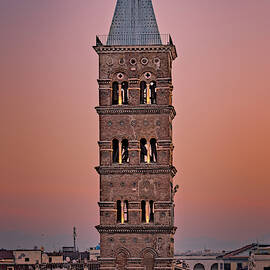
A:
134, 40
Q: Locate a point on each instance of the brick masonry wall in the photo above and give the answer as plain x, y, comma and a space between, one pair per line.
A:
136, 243
135, 181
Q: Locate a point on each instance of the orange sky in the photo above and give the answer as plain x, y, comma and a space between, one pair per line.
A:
49, 128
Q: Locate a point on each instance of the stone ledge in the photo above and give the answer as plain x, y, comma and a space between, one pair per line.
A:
142, 229
146, 48
143, 169
127, 109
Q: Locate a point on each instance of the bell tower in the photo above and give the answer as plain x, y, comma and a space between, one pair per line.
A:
135, 141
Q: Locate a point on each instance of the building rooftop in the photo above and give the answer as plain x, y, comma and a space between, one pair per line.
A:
200, 253
54, 253
26, 249
6, 254
241, 252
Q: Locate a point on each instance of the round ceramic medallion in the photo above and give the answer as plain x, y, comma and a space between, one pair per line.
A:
147, 75
133, 61
156, 60
144, 61
120, 76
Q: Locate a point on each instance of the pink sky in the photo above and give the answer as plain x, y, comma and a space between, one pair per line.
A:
49, 128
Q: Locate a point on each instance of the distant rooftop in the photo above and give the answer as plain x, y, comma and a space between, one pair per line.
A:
6, 254
206, 253
68, 249
243, 251
54, 253
134, 23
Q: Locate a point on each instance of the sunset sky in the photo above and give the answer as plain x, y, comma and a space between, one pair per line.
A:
49, 127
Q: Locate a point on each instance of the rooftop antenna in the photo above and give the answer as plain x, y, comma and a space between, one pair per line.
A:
74, 237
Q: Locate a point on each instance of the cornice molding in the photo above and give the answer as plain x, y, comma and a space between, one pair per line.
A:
127, 109
145, 229
130, 48
143, 169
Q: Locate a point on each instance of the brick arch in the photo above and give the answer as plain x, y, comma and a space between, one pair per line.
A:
153, 78
121, 257
114, 75
122, 250
148, 250
148, 69
148, 258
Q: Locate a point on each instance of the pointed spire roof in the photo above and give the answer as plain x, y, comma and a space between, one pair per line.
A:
134, 23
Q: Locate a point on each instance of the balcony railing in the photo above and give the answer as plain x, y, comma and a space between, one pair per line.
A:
134, 39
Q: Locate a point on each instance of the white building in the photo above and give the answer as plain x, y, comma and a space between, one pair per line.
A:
199, 261
250, 257
260, 258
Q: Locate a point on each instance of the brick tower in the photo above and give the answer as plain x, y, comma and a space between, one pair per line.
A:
135, 144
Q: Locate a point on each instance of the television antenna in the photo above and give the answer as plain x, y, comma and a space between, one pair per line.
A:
74, 237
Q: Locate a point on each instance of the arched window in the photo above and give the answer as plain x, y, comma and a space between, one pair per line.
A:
153, 150
115, 95
151, 204
153, 95
115, 145
143, 146
143, 92
199, 266
119, 211
124, 89
124, 152
125, 211
122, 211
215, 267
143, 206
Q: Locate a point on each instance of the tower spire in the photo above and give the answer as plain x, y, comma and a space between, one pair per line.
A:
134, 23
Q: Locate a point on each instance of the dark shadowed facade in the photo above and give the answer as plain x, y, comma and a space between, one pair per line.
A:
136, 149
